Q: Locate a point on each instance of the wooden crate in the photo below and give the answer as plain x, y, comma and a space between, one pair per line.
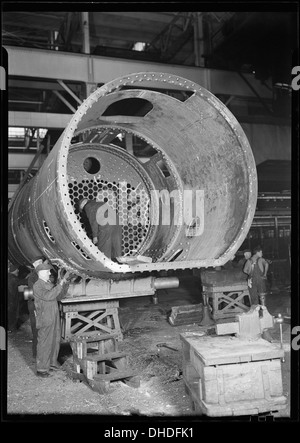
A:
227, 301
227, 376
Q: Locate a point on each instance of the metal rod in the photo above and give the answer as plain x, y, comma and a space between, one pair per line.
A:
29, 102
196, 41
64, 101
48, 143
279, 197
69, 91
166, 282
229, 100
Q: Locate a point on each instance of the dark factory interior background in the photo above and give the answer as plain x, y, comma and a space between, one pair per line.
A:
57, 59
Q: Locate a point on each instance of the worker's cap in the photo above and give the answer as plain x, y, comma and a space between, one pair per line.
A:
82, 203
246, 250
44, 267
257, 249
38, 257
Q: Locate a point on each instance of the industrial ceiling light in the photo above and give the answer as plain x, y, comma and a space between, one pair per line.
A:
139, 46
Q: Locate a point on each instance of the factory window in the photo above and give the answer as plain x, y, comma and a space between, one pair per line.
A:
134, 107
91, 165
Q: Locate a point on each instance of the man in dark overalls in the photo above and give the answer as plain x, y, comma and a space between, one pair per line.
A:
256, 268
32, 278
108, 237
47, 319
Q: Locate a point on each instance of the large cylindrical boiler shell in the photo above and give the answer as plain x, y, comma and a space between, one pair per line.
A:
199, 147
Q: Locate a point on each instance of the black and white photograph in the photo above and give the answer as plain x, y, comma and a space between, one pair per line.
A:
149, 210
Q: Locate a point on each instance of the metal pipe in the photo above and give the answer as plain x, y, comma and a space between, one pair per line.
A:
69, 91
62, 98
166, 283
106, 289
29, 102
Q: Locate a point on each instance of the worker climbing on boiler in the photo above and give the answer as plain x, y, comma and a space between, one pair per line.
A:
106, 230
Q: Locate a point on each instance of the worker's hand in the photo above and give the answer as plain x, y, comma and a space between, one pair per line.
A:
70, 276
61, 273
95, 240
66, 276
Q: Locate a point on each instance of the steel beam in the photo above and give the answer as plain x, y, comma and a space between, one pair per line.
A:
23, 160
47, 120
65, 101
85, 32
69, 90
38, 120
27, 62
30, 84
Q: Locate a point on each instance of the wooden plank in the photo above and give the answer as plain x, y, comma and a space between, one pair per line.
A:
221, 289
94, 337
119, 375
227, 328
91, 369
232, 302
185, 318
108, 356
246, 407
186, 309
87, 306
223, 350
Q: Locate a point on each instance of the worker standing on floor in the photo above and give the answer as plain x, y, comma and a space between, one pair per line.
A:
247, 255
256, 268
47, 318
108, 237
32, 278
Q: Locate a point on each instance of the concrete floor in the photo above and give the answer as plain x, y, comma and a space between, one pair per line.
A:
141, 318
188, 292
144, 325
